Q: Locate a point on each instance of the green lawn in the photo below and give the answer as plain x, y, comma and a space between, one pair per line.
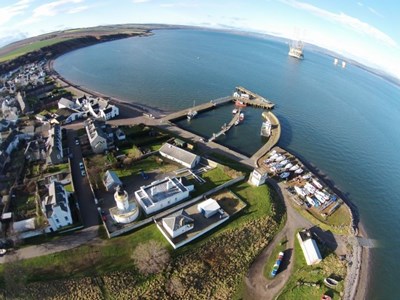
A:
302, 273
30, 48
58, 168
146, 164
339, 222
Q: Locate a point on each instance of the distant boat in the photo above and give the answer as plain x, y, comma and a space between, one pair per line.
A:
191, 113
299, 191
294, 168
235, 111
296, 49
288, 166
335, 61
240, 103
343, 64
299, 171
241, 117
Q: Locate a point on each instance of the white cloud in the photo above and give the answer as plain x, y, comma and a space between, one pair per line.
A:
345, 20
375, 12
53, 8
140, 1
10, 11
78, 9
180, 4
360, 4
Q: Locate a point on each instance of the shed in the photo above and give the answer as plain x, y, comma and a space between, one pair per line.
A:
309, 247
208, 208
111, 180
179, 155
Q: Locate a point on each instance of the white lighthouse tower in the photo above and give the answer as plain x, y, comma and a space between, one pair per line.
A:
125, 211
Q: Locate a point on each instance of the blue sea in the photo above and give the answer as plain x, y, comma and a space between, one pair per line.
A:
344, 121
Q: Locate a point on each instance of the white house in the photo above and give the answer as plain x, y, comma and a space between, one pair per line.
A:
56, 208
66, 103
309, 247
97, 137
111, 180
161, 194
209, 207
111, 111
178, 223
179, 155
54, 148
258, 177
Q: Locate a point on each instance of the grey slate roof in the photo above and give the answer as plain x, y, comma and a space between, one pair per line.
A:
178, 220
178, 153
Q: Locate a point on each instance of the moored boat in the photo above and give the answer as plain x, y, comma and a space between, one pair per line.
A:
284, 175
294, 168
234, 111
191, 114
299, 171
241, 117
277, 264
240, 103
330, 282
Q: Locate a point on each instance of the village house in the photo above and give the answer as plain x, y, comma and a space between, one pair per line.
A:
179, 155
97, 136
54, 146
162, 193
309, 247
56, 208
178, 223
111, 180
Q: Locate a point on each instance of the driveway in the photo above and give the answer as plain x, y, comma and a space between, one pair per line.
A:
87, 207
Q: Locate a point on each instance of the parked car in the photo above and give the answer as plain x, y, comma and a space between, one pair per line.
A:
81, 166
83, 173
6, 243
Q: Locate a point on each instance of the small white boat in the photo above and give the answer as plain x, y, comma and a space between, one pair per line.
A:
274, 156
234, 111
310, 188
330, 282
299, 191
317, 184
272, 152
299, 171
285, 162
294, 168
310, 200
284, 175
288, 166
191, 114
280, 158
319, 197
241, 117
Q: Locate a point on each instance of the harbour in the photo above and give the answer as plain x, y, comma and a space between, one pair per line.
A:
316, 114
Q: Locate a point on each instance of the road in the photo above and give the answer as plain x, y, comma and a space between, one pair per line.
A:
257, 286
87, 206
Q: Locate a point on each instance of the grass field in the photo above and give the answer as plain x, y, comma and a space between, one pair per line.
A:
30, 48
306, 282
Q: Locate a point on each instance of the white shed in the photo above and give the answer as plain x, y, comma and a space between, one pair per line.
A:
309, 247
208, 208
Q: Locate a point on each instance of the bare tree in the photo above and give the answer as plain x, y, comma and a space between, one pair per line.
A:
151, 258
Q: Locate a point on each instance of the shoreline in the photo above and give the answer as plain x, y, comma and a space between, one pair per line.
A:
358, 279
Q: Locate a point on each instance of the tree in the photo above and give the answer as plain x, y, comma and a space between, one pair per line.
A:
151, 257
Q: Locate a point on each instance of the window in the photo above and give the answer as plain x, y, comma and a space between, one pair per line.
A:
57, 220
66, 218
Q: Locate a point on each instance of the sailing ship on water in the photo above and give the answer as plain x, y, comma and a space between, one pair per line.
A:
296, 49
336, 61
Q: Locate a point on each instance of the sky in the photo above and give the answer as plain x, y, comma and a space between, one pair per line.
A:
363, 30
